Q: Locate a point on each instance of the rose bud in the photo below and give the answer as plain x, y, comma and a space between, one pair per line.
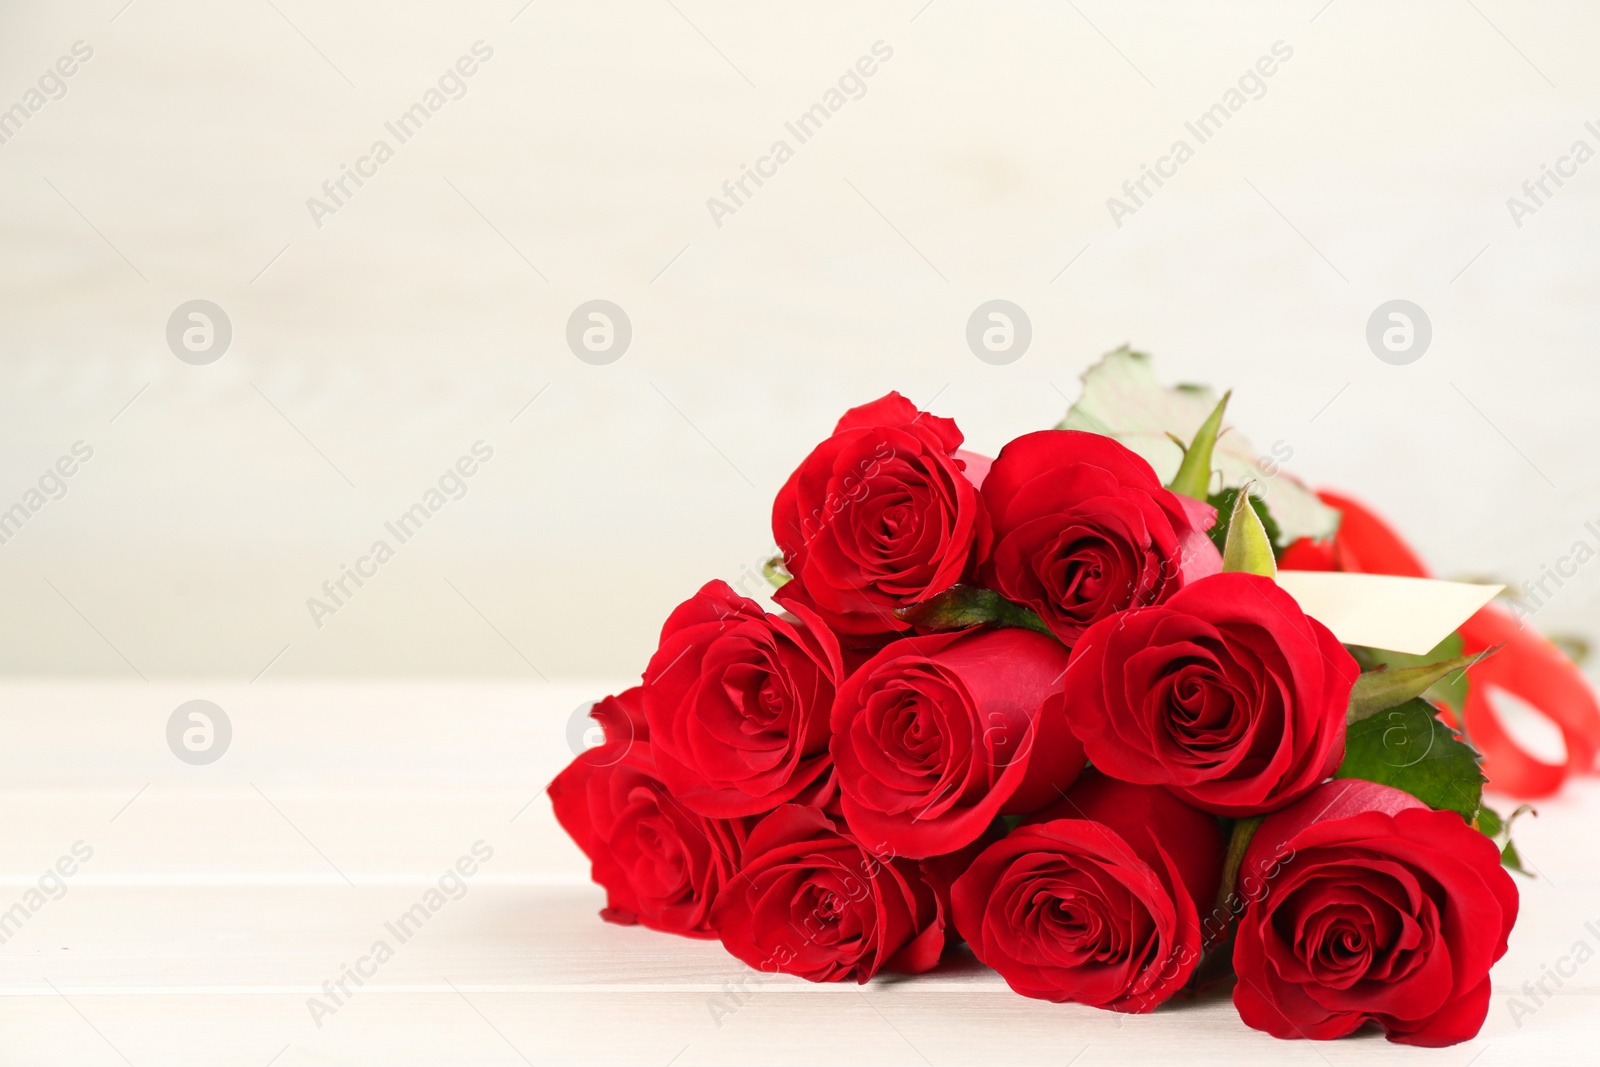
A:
1097, 899
1083, 528
1227, 694
737, 702
880, 515
1373, 907
937, 735
660, 864
812, 900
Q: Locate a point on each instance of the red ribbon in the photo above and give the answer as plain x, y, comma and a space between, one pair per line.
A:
1529, 666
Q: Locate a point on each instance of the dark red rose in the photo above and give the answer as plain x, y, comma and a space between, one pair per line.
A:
880, 515
660, 864
1083, 528
1227, 694
937, 735
1097, 899
811, 900
737, 702
1375, 908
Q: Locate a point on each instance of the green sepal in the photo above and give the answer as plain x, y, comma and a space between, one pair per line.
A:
962, 606
1194, 472
1247, 548
1380, 689
776, 572
1224, 502
1451, 690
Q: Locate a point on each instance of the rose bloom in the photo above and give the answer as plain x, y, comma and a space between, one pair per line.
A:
1227, 694
621, 717
1376, 909
1083, 528
937, 735
941, 872
660, 864
1096, 900
811, 900
737, 703
883, 514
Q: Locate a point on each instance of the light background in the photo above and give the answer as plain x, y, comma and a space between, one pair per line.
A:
369, 353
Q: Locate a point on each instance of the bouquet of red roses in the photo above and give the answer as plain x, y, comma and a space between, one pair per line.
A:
1069, 711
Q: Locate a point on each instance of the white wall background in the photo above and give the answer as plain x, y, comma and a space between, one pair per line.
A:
427, 312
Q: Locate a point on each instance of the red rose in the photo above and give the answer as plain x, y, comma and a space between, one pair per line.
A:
941, 872
1083, 529
621, 717
737, 703
937, 735
1376, 908
659, 863
811, 900
1097, 899
1227, 694
878, 516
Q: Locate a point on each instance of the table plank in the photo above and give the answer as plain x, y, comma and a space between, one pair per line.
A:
222, 898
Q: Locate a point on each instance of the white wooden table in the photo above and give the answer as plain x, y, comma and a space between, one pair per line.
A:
218, 900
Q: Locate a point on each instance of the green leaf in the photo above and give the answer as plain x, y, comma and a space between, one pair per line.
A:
1379, 689
961, 606
1122, 398
1194, 471
1247, 548
1224, 502
1451, 690
1408, 747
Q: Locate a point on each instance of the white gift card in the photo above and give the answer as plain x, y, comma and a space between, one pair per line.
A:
1384, 611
